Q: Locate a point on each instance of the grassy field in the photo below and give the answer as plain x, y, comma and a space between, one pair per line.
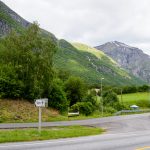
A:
47, 134
140, 99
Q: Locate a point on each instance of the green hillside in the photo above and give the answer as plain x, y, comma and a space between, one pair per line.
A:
79, 59
91, 64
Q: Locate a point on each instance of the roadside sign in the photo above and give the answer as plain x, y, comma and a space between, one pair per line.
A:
41, 102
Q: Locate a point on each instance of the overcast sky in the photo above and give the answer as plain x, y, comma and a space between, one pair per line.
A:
93, 22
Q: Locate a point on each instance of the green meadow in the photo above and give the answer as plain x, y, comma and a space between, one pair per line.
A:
141, 99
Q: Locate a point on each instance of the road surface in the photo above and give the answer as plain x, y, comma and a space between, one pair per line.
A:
115, 124
121, 141
123, 133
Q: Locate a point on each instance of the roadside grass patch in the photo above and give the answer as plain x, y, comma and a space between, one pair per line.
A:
47, 133
142, 99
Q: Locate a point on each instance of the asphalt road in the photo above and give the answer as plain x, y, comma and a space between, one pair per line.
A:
115, 124
122, 141
123, 133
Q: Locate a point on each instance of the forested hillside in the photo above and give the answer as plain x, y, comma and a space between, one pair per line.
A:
91, 65
71, 57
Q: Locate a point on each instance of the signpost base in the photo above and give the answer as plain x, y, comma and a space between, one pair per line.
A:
40, 117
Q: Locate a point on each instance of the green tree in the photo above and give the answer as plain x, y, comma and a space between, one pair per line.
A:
31, 56
76, 89
110, 98
57, 97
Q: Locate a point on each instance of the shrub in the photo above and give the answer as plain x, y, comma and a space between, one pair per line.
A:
85, 108
109, 109
10, 86
58, 98
129, 89
144, 88
109, 98
75, 89
92, 100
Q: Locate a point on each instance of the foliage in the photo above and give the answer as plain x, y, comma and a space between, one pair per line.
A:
90, 98
85, 108
129, 89
109, 98
75, 89
63, 74
109, 109
78, 59
57, 97
31, 59
143, 88
10, 86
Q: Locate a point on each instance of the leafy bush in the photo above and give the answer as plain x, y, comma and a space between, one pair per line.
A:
109, 109
129, 89
10, 86
76, 89
109, 98
85, 108
92, 100
144, 88
58, 98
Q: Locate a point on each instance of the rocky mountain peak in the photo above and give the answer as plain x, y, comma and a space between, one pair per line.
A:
10, 20
130, 58
4, 9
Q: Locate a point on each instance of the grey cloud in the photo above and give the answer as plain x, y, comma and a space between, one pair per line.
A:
91, 21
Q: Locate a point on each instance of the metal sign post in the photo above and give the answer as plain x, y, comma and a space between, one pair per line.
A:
40, 119
41, 103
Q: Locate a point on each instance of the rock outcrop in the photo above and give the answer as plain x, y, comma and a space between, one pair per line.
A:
130, 58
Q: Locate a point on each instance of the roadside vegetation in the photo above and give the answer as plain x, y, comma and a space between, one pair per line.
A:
47, 133
141, 99
28, 73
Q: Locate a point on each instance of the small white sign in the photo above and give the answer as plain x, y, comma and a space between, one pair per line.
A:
41, 102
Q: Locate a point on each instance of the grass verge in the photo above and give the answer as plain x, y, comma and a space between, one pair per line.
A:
47, 134
141, 99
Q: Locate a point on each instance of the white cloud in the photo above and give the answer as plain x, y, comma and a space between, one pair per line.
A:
91, 21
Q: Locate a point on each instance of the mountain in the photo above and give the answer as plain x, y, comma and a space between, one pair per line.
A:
91, 64
79, 59
130, 58
10, 20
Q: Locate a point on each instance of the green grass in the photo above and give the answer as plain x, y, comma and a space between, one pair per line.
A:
47, 134
141, 99
19, 111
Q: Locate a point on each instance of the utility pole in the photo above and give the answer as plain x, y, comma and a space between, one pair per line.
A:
121, 97
102, 95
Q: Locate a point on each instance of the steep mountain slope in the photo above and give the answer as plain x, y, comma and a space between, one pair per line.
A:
10, 20
81, 60
91, 64
130, 58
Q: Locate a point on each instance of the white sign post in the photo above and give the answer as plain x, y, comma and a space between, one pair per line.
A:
41, 103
